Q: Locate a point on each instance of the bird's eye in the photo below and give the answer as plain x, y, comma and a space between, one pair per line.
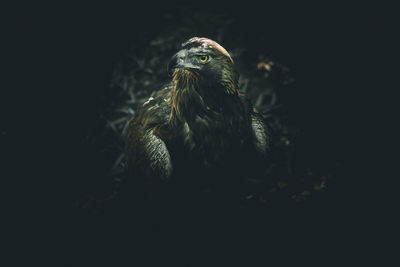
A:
204, 58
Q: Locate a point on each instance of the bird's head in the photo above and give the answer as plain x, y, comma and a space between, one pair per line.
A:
204, 61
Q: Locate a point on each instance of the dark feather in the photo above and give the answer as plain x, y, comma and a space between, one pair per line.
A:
197, 133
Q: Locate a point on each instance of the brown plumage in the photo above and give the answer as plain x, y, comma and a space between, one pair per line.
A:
199, 133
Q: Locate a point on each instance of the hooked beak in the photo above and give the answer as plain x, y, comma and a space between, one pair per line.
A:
179, 61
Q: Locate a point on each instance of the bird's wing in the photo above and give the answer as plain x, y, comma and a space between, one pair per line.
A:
148, 161
146, 154
261, 134
157, 153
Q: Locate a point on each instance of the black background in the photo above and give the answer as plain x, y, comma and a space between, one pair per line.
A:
58, 62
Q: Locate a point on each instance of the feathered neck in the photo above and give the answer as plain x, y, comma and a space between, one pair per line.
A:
190, 96
184, 99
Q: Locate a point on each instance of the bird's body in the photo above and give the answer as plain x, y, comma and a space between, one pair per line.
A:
197, 133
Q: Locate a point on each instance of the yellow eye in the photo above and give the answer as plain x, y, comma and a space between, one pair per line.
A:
204, 58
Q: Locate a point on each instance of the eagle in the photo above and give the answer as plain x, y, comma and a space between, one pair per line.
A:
199, 137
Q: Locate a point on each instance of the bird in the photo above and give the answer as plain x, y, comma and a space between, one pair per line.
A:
199, 135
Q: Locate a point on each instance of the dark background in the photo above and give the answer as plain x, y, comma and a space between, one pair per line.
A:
58, 62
